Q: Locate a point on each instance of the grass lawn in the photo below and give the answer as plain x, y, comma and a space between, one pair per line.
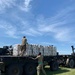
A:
61, 71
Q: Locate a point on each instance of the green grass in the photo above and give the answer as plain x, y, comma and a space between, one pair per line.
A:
60, 71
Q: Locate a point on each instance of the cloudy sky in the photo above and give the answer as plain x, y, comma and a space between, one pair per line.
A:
45, 22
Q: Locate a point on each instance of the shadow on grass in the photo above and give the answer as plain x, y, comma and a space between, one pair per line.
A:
59, 71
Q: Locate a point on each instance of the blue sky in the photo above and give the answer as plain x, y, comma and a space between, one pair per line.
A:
45, 22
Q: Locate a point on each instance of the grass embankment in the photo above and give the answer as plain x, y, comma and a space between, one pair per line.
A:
61, 71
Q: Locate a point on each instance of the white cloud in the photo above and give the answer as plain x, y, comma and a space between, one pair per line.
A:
8, 29
31, 32
58, 24
50, 27
26, 5
42, 25
57, 30
63, 34
63, 14
6, 4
